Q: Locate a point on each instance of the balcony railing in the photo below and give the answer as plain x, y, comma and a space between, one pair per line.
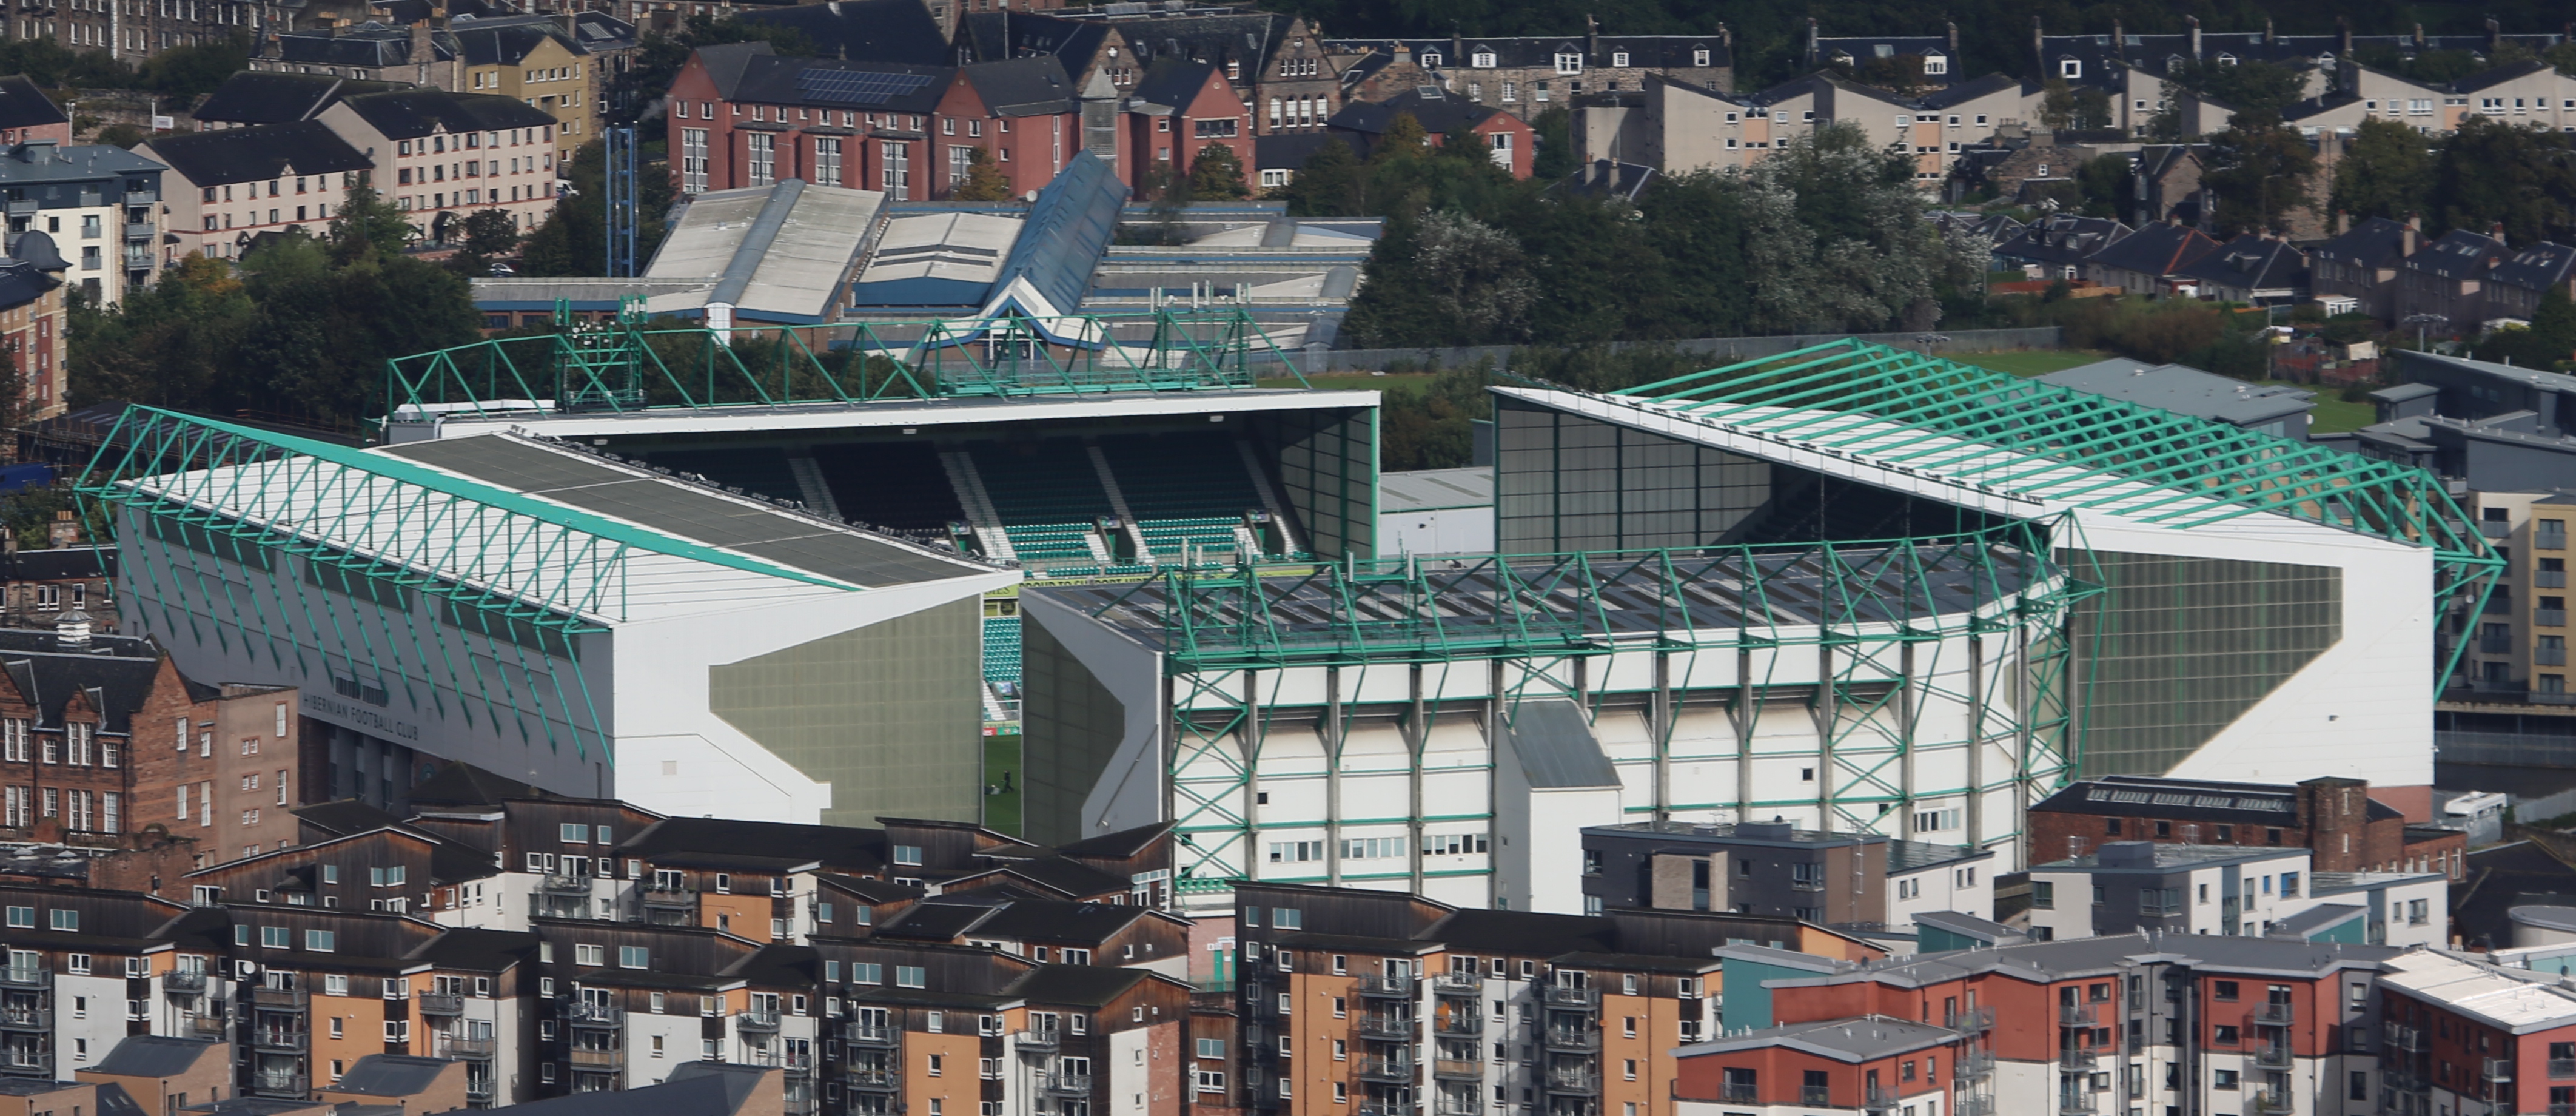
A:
1558, 995
26, 1019
596, 1058
277, 999
138, 230
875, 1034
440, 1003
279, 1039
209, 1027
2562, 1068
2077, 1015
2272, 1054
183, 982
2399, 1079
2410, 1039
2276, 1014
1739, 1092
872, 1079
1972, 1021
671, 898
554, 884
2498, 1070
2078, 1058
1571, 1039
1974, 1064
2078, 1102
1398, 1070
1036, 1040
278, 1084
2549, 617
1816, 1096
1458, 1069
2273, 1100
1065, 1084
1458, 984
1583, 1082
757, 1020
39, 975
1376, 1026
1387, 986
1878, 1100
1972, 1104
1458, 1023
593, 1016
478, 1089
1804, 884
468, 1047
2549, 656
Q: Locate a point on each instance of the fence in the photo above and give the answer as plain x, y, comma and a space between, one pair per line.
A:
1719, 350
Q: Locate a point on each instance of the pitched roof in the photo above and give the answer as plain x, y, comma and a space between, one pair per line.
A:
1436, 111
505, 42
1022, 86
60, 562
344, 817
2062, 239
477, 949
694, 1088
265, 97
369, 45
1248, 37
117, 670
1079, 985
2377, 242
257, 153
2537, 266
463, 784
1119, 845
685, 840
390, 1075
23, 280
2499, 75
863, 30
992, 36
2457, 254
760, 75
22, 105
1173, 84
1970, 90
2158, 249
413, 113
154, 1056
2251, 261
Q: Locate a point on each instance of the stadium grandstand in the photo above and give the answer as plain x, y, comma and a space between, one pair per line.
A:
1852, 587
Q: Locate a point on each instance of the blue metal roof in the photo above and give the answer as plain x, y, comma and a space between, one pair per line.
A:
1069, 226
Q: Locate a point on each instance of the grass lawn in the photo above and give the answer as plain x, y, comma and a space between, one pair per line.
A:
2333, 414
1002, 763
2030, 362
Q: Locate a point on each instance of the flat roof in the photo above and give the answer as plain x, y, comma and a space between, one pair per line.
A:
2516, 1000
809, 418
639, 496
2185, 390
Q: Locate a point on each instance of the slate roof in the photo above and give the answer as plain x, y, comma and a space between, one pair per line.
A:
1078, 985
76, 163
413, 113
369, 45
2537, 266
694, 1088
2251, 261
1675, 52
2158, 249
2374, 243
751, 72
1173, 84
257, 153
1250, 38
463, 784
993, 36
2524, 873
2485, 79
1436, 111
1022, 86
477, 949
58, 563
863, 30
120, 669
1970, 90
22, 105
2457, 254
153, 1056
2062, 239
1119, 845
263, 97
24, 280
1066, 878
505, 43
345, 817
843, 848
390, 1075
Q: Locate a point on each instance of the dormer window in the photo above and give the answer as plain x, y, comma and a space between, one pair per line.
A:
1619, 58
1482, 60
1430, 61
2226, 59
1699, 58
1934, 64
1569, 63
2070, 68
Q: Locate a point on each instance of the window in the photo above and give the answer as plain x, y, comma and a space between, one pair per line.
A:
1619, 58
1484, 59
634, 957
910, 976
322, 941
907, 854
2070, 68
1569, 63
589, 955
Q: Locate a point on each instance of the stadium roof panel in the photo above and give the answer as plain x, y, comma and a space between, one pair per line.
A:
959, 410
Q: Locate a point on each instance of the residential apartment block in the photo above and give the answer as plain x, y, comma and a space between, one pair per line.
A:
2336, 819
227, 186
98, 204
1858, 882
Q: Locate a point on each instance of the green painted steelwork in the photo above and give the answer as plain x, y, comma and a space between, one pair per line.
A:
1875, 613
2077, 448
620, 365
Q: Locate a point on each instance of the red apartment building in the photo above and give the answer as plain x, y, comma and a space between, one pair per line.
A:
1180, 108
2334, 818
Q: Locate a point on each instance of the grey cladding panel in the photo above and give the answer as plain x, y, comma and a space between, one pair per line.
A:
680, 510
1556, 747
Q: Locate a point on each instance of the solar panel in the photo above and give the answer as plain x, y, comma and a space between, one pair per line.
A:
857, 87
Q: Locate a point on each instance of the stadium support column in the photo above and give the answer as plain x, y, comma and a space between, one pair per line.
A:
1748, 708
1662, 734
1247, 736
2026, 706
1334, 733
1908, 710
1976, 811
1496, 739
1828, 716
1416, 735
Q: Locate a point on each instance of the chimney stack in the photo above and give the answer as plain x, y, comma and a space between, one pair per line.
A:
2414, 231
2038, 47
1591, 40
2194, 22
2343, 36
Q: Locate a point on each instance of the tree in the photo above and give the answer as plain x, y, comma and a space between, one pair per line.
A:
2105, 181
1835, 238
2070, 106
1449, 280
369, 224
2259, 91
2548, 342
2386, 171
1556, 156
2259, 176
985, 181
1403, 139
2491, 172
1329, 185
490, 235
573, 240
1217, 173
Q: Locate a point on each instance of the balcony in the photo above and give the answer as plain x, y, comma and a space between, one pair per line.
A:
213, 1027
2399, 1079
1878, 1100
2495, 528
2078, 1102
38, 1019
2410, 1039
1580, 1082
38, 975
1065, 1084
1816, 1096
1397, 1071
2276, 1101
286, 1085
440, 1003
594, 1017
1561, 996
2276, 1055
1970, 1104
2275, 1014
1571, 1040
2078, 1015
1387, 987
1458, 984
2498, 1071
872, 1079
757, 1020
478, 1089
1739, 1092
670, 898
2549, 579
2549, 656
1457, 1069
597, 1057
2495, 645
2549, 617
1463, 1023
139, 230
1971, 1021
1387, 1028
2079, 1058
1974, 1064
1036, 1040
280, 1039
876, 1034
471, 1049
553, 884
2562, 1068
183, 982
294, 1000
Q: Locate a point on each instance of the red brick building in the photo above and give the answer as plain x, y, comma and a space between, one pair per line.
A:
2337, 819
1179, 109
1021, 112
1507, 139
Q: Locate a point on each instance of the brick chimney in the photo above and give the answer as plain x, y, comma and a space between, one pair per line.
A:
2414, 232
2194, 22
